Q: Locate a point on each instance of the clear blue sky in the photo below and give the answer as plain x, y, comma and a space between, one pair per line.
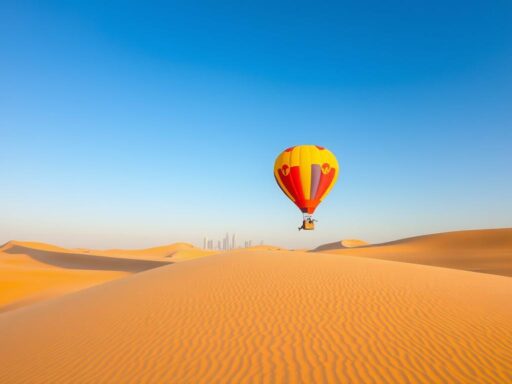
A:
135, 124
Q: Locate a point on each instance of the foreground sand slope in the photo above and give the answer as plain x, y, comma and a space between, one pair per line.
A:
31, 272
486, 250
265, 316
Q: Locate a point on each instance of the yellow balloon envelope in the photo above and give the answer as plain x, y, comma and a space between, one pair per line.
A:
306, 174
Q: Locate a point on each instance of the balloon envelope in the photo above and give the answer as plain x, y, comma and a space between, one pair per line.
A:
306, 174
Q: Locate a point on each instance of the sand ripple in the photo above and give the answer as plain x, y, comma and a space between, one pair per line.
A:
263, 316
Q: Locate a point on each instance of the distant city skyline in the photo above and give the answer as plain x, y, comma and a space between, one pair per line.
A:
133, 125
227, 243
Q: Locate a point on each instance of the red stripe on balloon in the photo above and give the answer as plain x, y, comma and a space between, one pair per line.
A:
299, 192
288, 183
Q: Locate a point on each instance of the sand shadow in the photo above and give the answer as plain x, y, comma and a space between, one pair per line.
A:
87, 262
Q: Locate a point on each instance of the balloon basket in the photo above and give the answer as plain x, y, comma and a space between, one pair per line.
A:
309, 225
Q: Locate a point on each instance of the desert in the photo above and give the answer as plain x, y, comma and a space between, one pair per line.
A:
269, 315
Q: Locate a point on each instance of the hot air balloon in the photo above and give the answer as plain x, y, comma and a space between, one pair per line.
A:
306, 174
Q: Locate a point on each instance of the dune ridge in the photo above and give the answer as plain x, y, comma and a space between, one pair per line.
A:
31, 272
349, 243
269, 316
66, 258
263, 247
153, 252
484, 250
176, 252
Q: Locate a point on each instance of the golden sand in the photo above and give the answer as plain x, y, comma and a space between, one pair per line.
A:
269, 316
487, 251
31, 272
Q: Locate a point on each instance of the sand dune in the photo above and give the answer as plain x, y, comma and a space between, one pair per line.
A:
31, 272
263, 316
352, 243
64, 258
155, 252
190, 254
176, 252
486, 250
263, 248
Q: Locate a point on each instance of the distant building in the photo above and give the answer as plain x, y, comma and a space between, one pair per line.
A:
228, 242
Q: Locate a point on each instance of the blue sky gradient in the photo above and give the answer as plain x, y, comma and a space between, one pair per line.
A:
136, 124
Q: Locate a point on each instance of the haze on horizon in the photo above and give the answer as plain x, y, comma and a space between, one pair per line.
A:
130, 125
